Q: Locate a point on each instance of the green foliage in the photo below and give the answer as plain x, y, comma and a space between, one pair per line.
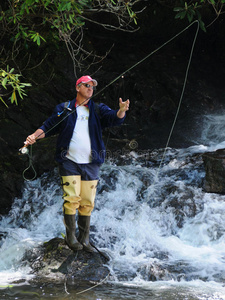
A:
9, 79
36, 37
36, 20
131, 13
191, 10
26, 18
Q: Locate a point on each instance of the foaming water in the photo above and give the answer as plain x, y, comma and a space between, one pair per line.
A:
213, 128
164, 234
144, 235
33, 219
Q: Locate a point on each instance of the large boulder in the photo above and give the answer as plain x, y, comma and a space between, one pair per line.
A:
54, 260
214, 163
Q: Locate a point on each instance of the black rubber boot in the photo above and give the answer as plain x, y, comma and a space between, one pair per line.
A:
71, 239
84, 229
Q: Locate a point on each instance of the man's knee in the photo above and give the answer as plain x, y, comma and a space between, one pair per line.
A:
88, 193
71, 193
85, 210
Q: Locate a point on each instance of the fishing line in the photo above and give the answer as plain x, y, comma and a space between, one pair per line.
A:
97, 284
88, 289
174, 122
146, 57
25, 151
179, 104
110, 130
132, 67
30, 166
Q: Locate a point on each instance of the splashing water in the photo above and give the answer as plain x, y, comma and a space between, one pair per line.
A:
161, 234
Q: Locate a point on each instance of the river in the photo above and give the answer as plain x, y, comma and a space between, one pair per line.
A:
165, 235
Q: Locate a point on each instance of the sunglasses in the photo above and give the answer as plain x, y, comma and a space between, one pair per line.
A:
89, 86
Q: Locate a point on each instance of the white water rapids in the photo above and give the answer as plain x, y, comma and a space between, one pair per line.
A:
161, 230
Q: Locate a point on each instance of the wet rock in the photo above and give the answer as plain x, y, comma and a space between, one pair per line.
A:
153, 272
214, 163
54, 260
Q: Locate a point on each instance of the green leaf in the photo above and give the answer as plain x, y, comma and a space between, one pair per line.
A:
4, 102
27, 10
71, 18
38, 41
178, 8
29, 2
46, 3
190, 17
20, 93
4, 82
17, 36
181, 15
13, 97
42, 38
202, 25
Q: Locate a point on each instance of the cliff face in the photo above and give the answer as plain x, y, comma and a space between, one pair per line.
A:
153, 86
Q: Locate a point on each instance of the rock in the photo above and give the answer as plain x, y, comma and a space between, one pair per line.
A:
214, 163
54, 260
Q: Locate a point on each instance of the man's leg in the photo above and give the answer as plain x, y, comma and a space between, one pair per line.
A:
88, 193
71, 187
89, 181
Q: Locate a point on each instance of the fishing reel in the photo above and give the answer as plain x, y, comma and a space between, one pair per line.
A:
24, 150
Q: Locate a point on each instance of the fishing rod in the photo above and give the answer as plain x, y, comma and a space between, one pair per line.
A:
24, 149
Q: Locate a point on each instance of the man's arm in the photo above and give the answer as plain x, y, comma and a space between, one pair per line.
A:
31, 139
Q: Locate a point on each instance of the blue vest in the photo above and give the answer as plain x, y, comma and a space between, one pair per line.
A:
98, 119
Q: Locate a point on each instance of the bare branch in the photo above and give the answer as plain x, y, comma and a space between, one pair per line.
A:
111, 27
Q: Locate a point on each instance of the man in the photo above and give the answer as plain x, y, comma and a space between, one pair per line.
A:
80, 151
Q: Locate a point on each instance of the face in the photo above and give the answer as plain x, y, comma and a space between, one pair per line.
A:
85, 90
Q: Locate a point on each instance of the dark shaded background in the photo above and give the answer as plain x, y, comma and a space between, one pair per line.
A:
154, 88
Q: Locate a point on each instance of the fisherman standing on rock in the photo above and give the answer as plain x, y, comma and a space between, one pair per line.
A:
80, 151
